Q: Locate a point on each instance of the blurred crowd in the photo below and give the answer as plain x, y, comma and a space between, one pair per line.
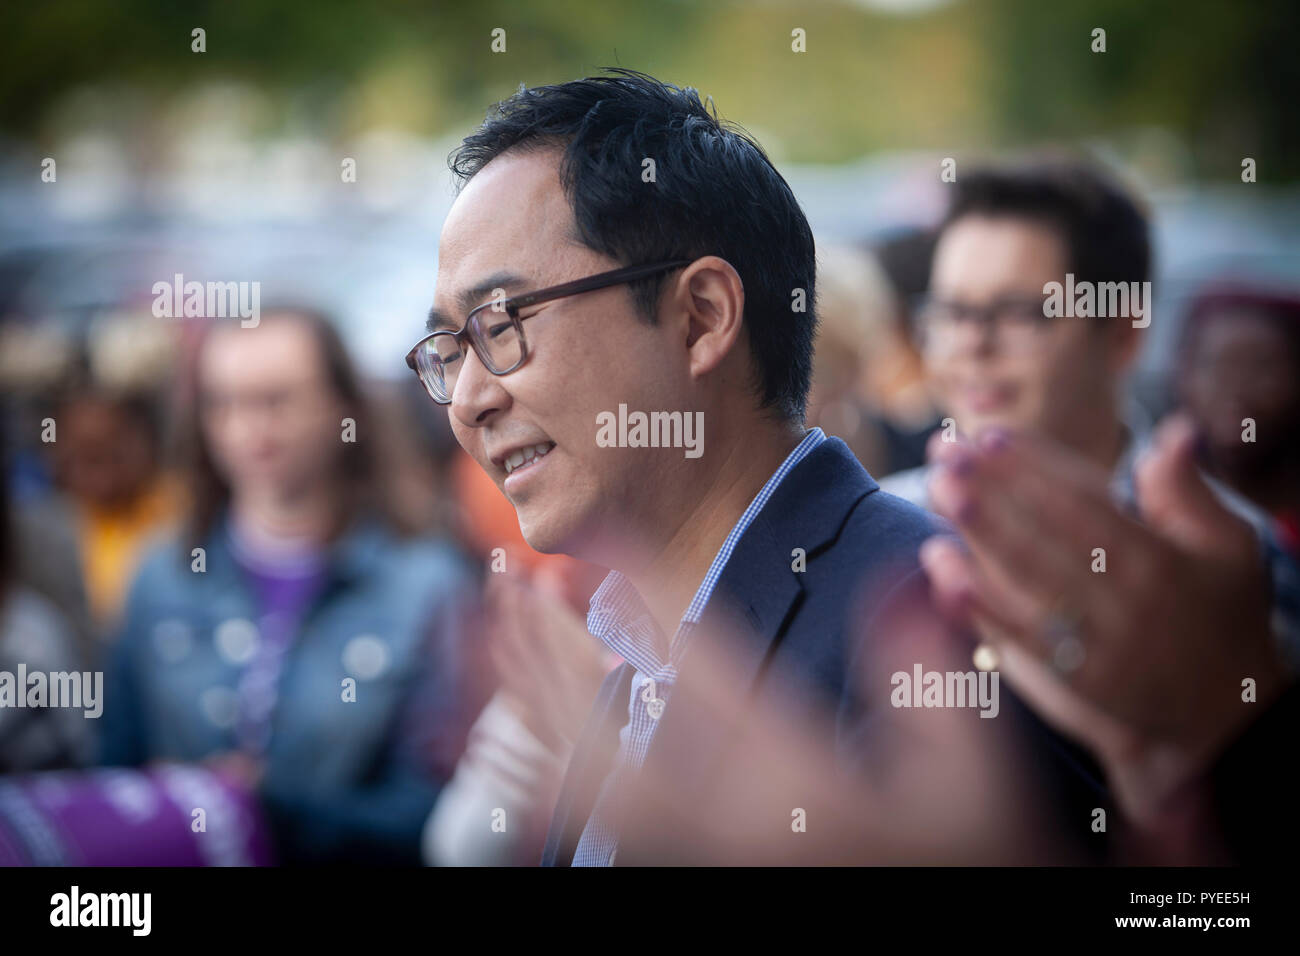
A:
323, 638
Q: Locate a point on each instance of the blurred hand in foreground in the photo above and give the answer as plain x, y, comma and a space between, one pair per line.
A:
942, 785
1140, 640
548, 664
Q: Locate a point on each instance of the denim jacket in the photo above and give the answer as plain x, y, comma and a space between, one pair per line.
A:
345, 779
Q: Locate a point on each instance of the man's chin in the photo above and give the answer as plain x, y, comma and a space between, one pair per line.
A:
572, 534
543, 536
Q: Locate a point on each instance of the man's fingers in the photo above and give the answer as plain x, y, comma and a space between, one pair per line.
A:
1064, 499
952, 578
962, 591
1000, 618
1060, 705
1021, 572
1175, 499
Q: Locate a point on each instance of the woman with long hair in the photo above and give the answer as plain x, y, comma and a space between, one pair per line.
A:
294, 637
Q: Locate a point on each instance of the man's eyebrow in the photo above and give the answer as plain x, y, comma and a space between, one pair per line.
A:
439, 320
475, 295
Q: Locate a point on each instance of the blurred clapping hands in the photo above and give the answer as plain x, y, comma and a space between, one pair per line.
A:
548, 665
1141, 651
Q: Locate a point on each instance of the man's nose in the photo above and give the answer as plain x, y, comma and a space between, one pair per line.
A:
477, 394
977, 335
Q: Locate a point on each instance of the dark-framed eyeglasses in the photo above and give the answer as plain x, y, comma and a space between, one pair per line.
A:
495, 330
943, 325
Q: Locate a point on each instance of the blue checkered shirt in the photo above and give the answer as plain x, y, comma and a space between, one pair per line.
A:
619, 617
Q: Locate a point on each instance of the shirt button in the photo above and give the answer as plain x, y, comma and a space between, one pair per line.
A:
654, 705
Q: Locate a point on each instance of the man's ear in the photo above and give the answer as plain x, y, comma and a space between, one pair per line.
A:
708, 300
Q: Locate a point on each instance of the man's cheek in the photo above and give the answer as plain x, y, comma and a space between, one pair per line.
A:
463, 437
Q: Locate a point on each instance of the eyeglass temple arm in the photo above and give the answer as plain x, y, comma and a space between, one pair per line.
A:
591, 283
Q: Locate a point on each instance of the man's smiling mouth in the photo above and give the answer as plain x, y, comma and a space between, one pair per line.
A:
524, 457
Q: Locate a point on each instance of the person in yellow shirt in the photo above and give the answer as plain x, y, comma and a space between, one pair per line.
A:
108, 460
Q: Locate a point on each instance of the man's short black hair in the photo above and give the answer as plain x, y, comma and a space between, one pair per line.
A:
1107, 236
715, 193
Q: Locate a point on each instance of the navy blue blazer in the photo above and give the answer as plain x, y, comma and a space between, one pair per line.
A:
801, 628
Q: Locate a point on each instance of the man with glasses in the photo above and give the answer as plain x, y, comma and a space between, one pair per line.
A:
997, 359
999, 362
993, 354
614, 244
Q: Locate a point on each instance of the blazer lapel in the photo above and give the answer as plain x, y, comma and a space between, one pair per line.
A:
755, 598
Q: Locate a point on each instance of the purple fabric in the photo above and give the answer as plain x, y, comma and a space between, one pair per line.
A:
283, 590
285, 595
119, 817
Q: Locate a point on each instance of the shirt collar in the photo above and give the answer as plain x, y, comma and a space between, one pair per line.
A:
618, 615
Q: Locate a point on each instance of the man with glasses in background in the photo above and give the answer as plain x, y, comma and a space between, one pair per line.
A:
993, 355
997, 359
614, 244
